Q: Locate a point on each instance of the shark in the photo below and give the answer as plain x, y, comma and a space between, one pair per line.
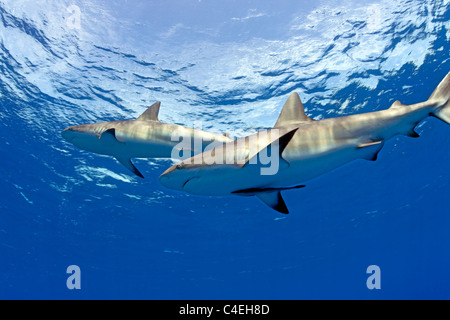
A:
306, 148
144, 137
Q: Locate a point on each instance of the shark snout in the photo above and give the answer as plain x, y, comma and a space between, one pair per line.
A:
165, 178
75, 132
175, 178
174, 182
166, 173
170, 183
68, 134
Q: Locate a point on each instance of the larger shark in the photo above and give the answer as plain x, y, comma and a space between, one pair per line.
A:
306, 149
144, 137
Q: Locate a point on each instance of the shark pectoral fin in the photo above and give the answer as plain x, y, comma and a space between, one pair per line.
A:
280, 144
151, 114
130, 166
371, 149
273, 200
108, 137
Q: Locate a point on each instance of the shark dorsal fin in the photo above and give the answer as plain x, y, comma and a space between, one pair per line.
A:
396, 104
109, 137
151, 114
292, 112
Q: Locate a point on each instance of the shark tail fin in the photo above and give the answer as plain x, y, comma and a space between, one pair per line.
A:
441, 97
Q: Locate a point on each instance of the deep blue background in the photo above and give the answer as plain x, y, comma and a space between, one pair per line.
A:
231, 64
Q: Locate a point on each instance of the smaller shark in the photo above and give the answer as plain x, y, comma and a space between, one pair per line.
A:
304, 149
145, 137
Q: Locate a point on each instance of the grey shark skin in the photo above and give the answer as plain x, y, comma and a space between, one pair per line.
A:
307, 148
145, 137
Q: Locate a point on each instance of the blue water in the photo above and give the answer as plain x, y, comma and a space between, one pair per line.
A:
231, 64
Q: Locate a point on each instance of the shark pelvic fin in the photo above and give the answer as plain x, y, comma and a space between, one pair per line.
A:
151, 114
280, 143
108, 137
292, 112
371, 149
270, 196
274, 200
130, 166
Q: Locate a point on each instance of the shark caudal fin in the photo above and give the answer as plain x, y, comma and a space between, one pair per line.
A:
441, 96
